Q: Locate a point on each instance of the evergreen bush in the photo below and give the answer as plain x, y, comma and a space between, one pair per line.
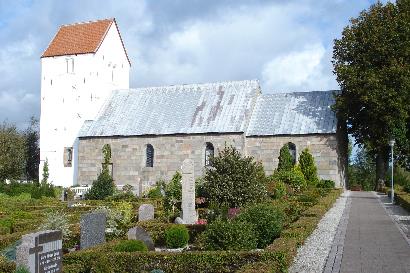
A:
293, 178
229, 235
286, 161
102, 187
267, 221
130, 246
326, 184
234, 180
176, 236
308, 167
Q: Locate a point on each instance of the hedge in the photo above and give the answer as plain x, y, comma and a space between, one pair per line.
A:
6, 266
201, 261
403, 199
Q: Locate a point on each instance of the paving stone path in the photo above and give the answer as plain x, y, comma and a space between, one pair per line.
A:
371, 237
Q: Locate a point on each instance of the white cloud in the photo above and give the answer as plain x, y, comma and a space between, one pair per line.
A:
298, 70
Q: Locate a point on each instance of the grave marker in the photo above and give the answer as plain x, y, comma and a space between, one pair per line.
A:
188, 192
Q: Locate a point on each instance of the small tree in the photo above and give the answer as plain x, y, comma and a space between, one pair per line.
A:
234, 180
286, 162
46, 174
173, 193
308, 167
104, 185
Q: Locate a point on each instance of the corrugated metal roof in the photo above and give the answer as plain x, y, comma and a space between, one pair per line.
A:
180, 109
293, 114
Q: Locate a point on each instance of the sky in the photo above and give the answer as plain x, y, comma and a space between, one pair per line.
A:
285, 44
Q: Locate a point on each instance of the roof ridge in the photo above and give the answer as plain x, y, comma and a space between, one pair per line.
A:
87, 22
302, 92
195, 84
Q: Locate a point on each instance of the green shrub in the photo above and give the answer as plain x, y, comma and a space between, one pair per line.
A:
229, 235
326, 184
56, 220
235, 180
286, 162
267, 221
176, 236
308, 167
293, 178
155, 192
173, 195
406, 188
22, 269
277, 189
130, 246
102, 187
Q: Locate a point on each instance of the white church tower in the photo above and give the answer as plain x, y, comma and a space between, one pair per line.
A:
81, 66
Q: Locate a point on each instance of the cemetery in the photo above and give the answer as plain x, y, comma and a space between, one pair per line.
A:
233, 219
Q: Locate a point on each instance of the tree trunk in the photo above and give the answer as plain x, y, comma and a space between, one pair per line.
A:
381, 165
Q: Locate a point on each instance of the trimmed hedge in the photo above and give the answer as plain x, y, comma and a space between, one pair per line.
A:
130, 246
6, 266
198, 262
403, 199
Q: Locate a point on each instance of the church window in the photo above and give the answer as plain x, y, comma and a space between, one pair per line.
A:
292, 151
68, 156
150, 156
69, 65
209, 152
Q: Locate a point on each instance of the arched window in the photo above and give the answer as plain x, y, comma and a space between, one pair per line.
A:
292, 151
209, 152
150, 156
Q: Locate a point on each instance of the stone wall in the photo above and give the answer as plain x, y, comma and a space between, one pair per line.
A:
129, 156
325, 148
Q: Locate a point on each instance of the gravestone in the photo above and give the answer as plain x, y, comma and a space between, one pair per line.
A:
188, 192
145, 212
41, 252
138, 233
92, 227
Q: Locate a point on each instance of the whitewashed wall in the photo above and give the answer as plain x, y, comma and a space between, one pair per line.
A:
68, 99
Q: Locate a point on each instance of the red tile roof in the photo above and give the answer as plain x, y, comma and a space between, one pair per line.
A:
80, 38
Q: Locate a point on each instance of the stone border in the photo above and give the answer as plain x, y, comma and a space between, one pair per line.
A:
312, 256
334, 259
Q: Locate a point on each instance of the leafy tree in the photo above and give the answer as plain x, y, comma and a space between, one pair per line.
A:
308, 167
372, 64
286, 162
32, 150
234, 180
12, 152
362, 170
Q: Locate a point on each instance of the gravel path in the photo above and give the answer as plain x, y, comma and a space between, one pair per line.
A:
311, 257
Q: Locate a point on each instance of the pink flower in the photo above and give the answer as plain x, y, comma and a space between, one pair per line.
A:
201, 222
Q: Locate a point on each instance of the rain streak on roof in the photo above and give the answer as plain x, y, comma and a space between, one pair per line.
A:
223, 107
293, 114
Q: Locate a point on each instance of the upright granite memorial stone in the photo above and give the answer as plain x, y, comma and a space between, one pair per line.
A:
188, 192
92, 227
138, 233
145, 212
41, 252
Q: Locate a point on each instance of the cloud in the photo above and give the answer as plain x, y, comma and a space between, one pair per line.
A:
298, 70
287, 44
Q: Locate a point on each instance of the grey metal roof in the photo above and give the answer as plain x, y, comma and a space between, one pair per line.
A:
293, 114
195, 108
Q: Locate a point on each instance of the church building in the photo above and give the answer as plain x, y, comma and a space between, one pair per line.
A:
86, 103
